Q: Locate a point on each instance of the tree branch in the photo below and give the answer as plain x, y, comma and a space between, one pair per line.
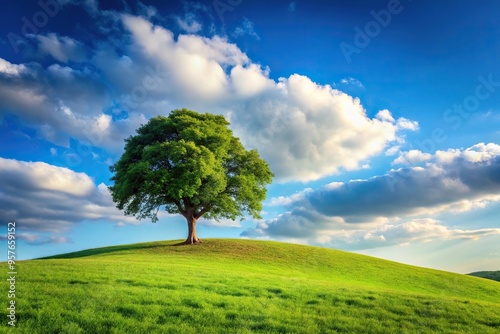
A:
154, 219
203, 211
186, 202
179, 206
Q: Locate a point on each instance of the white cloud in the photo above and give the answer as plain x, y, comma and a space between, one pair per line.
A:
45, 198
61, 48
60, 101
250, 80
404, 234
195, 64
45, 177
370, 209
11, 69
147, 11
406, 124
351, 81
246, 28
292, 6
462, 183
447, 157
314, 130
393, 150
287, 200
385, 115
304, 130
331, 232
412, 158
220, 223
189, 24
476, 154
481, 152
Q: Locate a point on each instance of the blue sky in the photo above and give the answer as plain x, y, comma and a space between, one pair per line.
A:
380, 119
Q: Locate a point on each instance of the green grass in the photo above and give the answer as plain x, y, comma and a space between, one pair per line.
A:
244, 286
494, 275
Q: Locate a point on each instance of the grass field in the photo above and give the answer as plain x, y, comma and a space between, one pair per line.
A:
244, 286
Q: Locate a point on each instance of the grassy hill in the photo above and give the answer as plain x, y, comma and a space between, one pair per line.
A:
494, 275
244, 286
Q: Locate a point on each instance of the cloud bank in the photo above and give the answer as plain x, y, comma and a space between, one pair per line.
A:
46, 201
365, 213
44, 198
99, 94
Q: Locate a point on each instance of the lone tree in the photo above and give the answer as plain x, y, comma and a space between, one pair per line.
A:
193, 165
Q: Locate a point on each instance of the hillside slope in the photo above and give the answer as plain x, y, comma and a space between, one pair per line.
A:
244, 286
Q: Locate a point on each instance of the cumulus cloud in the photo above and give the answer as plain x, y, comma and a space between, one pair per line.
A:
407, 124
470, 178
304, 130
393, 150
307, 131
61, 48
418, 230
334, 233
313, 228
46, 201
44, 198
62, 102
453, 180
412, 157
189, 23
287, 200
196, 65
9, 69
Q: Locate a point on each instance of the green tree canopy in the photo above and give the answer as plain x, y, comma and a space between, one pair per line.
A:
191, 164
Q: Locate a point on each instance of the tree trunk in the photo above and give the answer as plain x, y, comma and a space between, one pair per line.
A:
192, 237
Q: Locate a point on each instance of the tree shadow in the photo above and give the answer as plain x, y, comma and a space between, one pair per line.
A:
184, 243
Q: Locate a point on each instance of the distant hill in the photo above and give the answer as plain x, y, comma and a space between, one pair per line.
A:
244, 286
494, 275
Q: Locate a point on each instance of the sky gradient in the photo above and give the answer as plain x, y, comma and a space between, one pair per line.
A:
380, 119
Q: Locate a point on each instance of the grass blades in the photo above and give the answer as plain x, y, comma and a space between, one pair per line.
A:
244, 286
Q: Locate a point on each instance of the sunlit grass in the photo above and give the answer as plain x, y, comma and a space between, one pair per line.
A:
243, 286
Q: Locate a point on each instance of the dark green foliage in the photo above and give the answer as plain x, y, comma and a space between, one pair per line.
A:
189, 161
493, 275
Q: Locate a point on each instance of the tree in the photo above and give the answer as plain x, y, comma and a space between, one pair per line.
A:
191, 164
